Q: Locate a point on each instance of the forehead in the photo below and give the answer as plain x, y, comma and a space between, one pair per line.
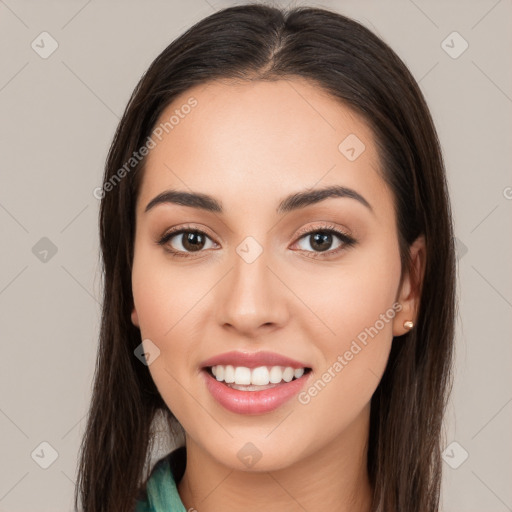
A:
241, 140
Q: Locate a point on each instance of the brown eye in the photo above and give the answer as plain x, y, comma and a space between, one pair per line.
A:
193, 241
322, 240
185, 241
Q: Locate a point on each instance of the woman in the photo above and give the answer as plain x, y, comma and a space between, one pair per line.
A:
279, 276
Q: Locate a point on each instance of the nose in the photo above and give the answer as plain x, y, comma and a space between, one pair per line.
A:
252, 298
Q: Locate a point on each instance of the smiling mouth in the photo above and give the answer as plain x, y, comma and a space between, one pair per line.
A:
255, 379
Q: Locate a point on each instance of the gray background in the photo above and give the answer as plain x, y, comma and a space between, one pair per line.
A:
58, 116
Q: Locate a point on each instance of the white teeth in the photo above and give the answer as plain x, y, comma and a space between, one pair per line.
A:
288, 374
260, 376
229, 374
219, 373
276, 374
299, 372
242, 375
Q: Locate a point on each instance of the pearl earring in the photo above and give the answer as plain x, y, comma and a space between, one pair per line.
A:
408, 324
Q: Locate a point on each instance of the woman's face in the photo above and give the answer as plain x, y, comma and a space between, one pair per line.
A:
254, 281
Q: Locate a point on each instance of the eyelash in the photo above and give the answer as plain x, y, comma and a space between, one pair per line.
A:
347, 240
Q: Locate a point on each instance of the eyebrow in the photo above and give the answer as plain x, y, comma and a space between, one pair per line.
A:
292, 202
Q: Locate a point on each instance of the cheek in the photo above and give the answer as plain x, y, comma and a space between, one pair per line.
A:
166, 301
351, 296
356, 303
164, 294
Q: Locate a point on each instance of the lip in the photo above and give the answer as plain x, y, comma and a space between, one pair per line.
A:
253, 360
253, 402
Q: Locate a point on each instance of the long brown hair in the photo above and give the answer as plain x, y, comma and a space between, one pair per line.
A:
260, 42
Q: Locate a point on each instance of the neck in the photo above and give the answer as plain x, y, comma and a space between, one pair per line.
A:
334, 477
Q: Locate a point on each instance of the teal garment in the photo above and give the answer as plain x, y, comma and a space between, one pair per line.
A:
161, 493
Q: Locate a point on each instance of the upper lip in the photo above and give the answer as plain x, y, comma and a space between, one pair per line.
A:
252, 360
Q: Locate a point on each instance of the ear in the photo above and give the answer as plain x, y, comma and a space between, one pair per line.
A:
410, 291
135, 318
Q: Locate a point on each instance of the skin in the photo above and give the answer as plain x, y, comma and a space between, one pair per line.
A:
249, 145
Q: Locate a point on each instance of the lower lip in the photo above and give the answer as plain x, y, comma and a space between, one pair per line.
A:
253, 402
